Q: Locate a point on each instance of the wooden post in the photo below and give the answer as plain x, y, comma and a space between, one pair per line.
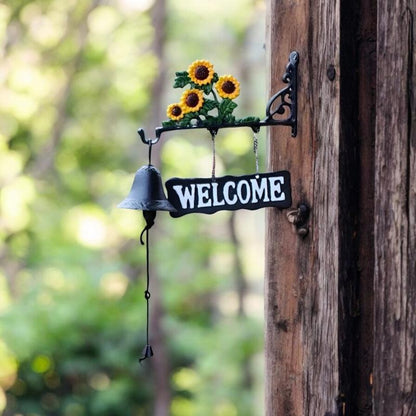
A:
302, 273
395, 215
341, 302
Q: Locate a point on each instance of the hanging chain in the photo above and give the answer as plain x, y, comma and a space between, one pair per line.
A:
213, 155
255, 150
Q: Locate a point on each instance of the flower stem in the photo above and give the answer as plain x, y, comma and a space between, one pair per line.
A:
215, 96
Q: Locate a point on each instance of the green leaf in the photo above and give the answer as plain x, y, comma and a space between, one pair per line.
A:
229, 118
226, 107
186, 121
209, 105
207, 88
182, 79
169, 123
212, 121
248, 120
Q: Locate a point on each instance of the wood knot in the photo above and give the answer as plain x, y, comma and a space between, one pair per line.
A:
330, 72
283, 325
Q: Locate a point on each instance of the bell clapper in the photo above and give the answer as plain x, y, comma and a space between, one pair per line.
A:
147, 351
149, 217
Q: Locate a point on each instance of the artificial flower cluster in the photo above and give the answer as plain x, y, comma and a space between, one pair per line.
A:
195, 106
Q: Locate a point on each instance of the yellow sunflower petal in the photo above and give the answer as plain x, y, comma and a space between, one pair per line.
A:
175, 111
192, 100
201, 72
228, 87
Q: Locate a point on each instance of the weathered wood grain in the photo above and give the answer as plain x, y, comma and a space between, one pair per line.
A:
302, 274
341, 303
395, 212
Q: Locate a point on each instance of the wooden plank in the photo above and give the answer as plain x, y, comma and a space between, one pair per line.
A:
302, 274
395, 206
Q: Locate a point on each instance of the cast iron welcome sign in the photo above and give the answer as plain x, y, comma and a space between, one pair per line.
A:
208, 103
209, 195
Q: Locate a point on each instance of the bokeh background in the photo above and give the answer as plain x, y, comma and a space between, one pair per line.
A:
77, 78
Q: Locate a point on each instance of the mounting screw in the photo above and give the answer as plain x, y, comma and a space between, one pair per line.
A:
299, 217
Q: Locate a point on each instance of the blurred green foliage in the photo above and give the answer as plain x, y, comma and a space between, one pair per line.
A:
76, 83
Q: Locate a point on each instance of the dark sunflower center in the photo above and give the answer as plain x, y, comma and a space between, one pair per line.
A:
201, 72
228, 87
192, 100
176, 111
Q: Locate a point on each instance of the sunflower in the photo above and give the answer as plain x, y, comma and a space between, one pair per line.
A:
201, 72
228, 87
192, 100
175, 111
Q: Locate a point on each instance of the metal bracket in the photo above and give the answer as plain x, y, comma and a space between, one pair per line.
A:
281, 109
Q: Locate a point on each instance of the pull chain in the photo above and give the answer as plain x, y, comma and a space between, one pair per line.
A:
255, 150
213, 156
149, 217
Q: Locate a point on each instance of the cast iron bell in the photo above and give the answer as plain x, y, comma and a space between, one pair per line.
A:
147, 193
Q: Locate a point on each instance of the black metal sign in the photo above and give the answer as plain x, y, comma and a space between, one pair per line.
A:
209, 195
